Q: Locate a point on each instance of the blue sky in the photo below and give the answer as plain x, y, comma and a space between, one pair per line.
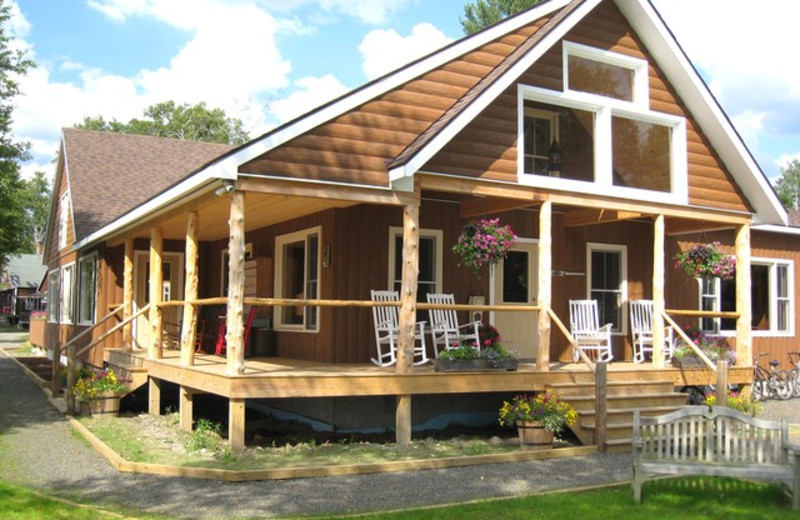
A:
267, 61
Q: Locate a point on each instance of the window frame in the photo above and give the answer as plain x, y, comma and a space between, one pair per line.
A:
437, 235
641, 81
223, 271
82, 262
604, 109
63, 220
54, 295
280, 242
623, 290
67, 294
772, 332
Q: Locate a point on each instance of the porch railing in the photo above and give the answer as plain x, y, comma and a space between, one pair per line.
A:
686, 339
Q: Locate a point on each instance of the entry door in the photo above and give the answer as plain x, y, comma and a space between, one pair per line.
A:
515, 283
171, 289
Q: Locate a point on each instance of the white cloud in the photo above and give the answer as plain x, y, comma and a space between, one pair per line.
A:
309, 93
385, 50
372, 12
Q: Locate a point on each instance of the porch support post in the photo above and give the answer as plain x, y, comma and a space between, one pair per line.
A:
156, 288
127, 296
189, 322
154, 396
408, 316
186, 408
544, 297
234, 337
658, 292
236, 423
744, 340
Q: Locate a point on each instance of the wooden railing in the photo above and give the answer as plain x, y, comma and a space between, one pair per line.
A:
586, 361
686, 339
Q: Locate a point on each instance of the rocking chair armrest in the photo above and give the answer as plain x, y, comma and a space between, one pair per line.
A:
473, 324
606, 328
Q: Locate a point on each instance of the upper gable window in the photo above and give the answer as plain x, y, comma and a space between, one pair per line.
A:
604, 73
63, 220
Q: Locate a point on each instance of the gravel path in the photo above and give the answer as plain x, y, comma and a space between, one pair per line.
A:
38, 449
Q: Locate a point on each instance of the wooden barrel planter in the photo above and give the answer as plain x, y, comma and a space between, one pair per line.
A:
533, 436
105, 405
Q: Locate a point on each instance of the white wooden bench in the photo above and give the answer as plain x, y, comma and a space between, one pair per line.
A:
719, 442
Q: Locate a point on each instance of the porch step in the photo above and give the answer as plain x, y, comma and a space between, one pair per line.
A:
127, 366
614, 388
627, 401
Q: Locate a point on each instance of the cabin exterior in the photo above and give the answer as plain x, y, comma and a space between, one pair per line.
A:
580, 123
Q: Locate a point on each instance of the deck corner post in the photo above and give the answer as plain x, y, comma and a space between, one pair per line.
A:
234, 337
601, 405
127, 296
744, 339
403, 420
545, 289
186, 408
72, 370
236, 425
55, 373
722, 382
659, 304
189, 322
156, 289
154, 396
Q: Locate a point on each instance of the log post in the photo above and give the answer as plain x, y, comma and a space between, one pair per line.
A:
127, 296
601, 405
154, 396
744, 340
544, 296
55, 373
234, 337
236, 424
186, 408
408, 316
156, 290
72, 371
722, 382
659, 304
189, 322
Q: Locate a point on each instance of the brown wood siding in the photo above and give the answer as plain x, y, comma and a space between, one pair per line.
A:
683, 292
710, 184
355, 146
55, 252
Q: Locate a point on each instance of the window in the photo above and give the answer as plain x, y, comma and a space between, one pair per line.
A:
66, 314
53, 295
603, 138
607, 282
63, 220
771, 299
224, 273
87, 284
297, 276
430, 263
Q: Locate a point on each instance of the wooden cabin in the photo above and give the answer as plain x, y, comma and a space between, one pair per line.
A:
580, 123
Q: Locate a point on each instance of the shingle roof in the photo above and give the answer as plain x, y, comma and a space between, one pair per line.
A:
26, 270
110, 173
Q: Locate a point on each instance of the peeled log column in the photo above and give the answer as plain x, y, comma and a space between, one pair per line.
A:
189, 322
234, 337
156, 287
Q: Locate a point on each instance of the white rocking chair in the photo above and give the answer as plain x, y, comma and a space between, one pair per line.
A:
642, 331
588, 335
445, 327
386, 331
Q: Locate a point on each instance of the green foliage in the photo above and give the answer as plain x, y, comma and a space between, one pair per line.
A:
37, 204
483, 13
206, 436
187, 122
547, 408
738, 402
788, 185
92, 385
466, 350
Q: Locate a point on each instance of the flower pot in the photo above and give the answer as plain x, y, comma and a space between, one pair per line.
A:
460, 365
688, 362
105, 405
508, 364
533, 436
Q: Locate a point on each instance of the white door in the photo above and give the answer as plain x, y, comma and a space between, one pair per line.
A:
172, 289
515, 283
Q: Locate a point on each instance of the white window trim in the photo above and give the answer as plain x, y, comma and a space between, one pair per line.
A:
772, 263
248, 255
61, 296
53, 304
280, 241
641, 79
63, 220
438, 235
604, 109
623, 250
92, 258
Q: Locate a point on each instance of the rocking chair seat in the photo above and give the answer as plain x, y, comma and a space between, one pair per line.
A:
385, 319
585, 329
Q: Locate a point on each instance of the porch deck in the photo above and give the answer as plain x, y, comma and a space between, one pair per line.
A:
274, 377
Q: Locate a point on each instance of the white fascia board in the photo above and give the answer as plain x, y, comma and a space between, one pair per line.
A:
772, 228
393, 80
159, 202
500, 85
704, 108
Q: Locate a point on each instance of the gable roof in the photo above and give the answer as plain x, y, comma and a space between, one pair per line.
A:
25, 270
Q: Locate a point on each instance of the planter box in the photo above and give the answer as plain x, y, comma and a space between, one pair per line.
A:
473, 365
36, 328
688, 362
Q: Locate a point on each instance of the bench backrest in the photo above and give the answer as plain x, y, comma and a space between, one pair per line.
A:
719, 435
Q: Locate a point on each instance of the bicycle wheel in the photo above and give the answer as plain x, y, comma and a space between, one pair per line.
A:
758, 391
780, 386
794, 377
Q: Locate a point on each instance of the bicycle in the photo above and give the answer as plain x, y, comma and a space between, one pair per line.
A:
772, 384
794, 374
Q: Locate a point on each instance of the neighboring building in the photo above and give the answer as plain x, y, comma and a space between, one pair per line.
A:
21, 277
581, 123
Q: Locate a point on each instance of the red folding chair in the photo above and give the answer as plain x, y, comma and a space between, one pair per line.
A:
221, 344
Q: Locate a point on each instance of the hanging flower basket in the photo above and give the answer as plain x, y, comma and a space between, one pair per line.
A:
484, 242
706, 261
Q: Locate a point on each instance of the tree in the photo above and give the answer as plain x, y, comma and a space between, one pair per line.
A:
14, 237
788, 185
188, 122
483, 13
37, 205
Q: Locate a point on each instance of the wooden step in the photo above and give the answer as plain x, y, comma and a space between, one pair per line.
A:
567, 390
133, 376
623, 402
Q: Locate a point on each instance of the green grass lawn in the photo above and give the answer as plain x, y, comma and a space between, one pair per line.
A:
684, 499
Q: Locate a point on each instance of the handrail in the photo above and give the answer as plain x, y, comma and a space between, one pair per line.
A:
728, 315
588, 362
90, 329
702, 355
113, 329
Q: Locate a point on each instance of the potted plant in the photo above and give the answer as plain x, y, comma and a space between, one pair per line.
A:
706, 261
685, 356
737, 402
103, 391
460, 357
538, 418
484, 242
